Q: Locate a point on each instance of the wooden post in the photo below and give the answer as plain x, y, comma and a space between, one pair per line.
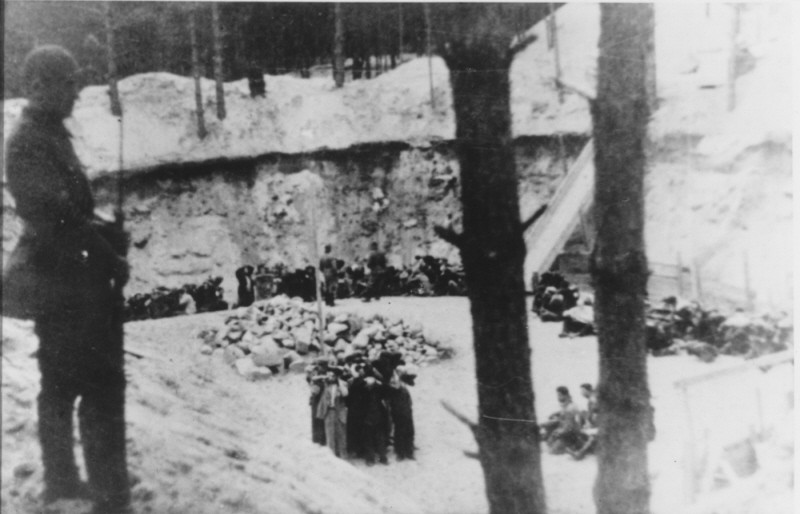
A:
553, 42
111, 60
697, 282
734, 33
427, 8
556, 55
116, 103
679, 260
315, 263
748, 291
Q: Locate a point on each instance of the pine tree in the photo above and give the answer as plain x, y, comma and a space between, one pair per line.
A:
619, 264
198, 92
478, 52
218, 76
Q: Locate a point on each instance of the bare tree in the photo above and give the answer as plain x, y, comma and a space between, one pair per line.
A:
198, 92
619, 265
478, 52
218, 77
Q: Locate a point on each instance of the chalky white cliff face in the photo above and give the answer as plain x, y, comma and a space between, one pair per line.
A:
718, 188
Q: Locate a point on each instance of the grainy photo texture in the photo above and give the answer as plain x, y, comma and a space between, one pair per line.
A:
423, 258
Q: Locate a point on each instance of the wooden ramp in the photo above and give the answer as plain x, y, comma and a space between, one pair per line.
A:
547, 237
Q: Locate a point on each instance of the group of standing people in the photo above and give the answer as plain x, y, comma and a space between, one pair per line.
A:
361, 406
377, 265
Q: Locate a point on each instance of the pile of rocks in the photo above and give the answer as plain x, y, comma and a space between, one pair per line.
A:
283, 335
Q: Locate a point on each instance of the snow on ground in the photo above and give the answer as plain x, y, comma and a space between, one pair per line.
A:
204, 440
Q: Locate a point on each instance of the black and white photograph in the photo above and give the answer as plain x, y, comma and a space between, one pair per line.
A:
398, 258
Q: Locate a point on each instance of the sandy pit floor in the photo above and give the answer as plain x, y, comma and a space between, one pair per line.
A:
204, 440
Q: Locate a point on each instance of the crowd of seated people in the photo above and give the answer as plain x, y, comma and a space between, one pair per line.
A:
673, 326
361, 405
555, 299
163, 302
553, 295
427, 276
570, 429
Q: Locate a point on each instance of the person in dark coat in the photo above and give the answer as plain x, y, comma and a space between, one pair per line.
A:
401, 409
256, 83
375, 416
315, 376
377, 264
357, 405
328, 268
78, 264
246, 290
332, 409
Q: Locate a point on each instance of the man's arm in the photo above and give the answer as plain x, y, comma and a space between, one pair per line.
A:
40, 195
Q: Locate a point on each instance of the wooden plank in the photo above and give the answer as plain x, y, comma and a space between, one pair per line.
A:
767, 361
546, 239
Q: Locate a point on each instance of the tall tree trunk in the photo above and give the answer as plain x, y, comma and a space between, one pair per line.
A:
428, 22
338, 45
493, 252
198, 92
619, 265
113, 89
400, 30
218, 78
650, 56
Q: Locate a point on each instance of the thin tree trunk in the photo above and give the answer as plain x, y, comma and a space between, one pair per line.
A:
493, 253
619, 266
650, 56
198, 92
217, 28
338, 45
427, 10
113, 89
400, 34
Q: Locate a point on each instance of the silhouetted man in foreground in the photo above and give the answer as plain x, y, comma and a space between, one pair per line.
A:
74, 266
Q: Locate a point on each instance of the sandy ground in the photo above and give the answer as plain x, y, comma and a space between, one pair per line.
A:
204, 440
